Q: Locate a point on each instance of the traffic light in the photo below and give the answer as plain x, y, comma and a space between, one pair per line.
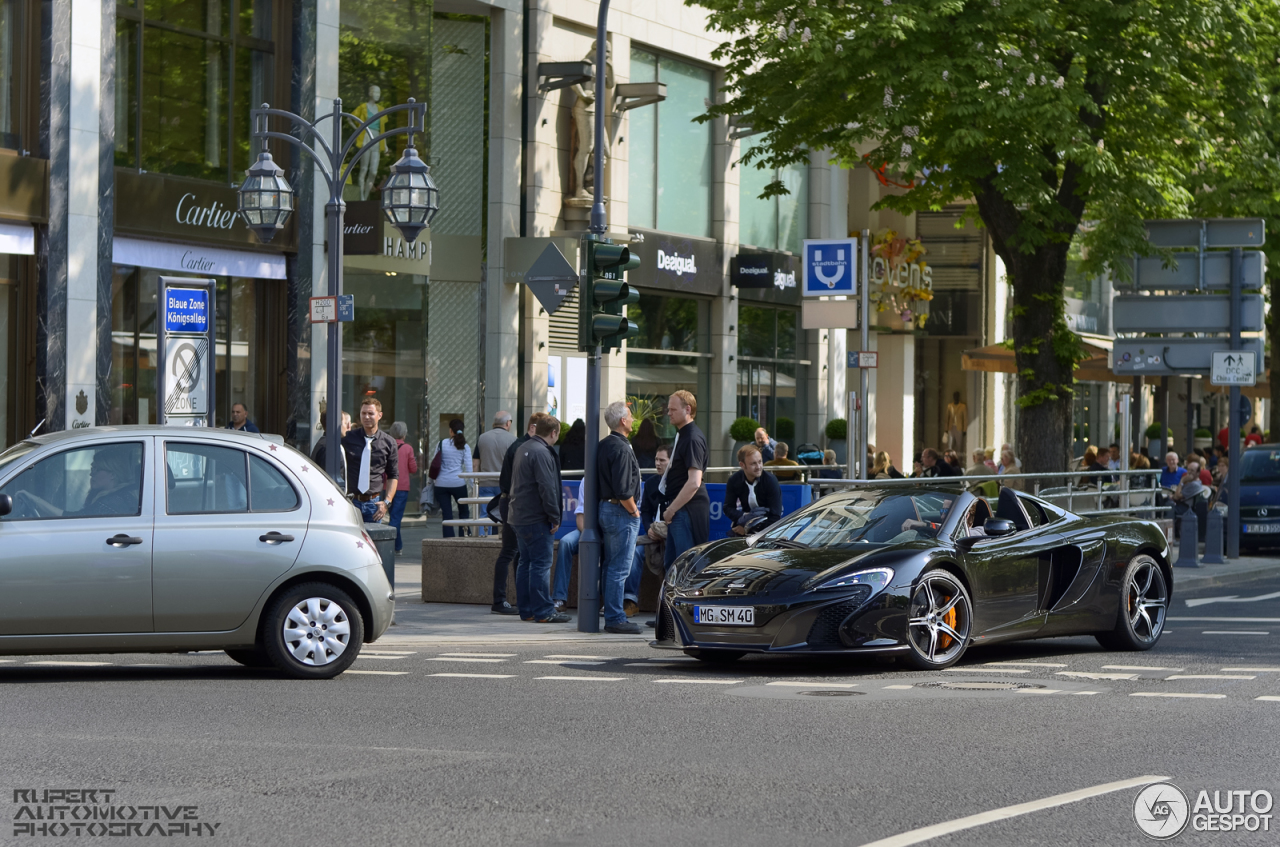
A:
602, 309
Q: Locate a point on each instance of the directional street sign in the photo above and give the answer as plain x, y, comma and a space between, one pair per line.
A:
551, 278
1184, 313
1152, 275
1233, 367
1173, 356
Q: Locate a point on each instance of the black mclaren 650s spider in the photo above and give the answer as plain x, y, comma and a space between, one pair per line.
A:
921, 573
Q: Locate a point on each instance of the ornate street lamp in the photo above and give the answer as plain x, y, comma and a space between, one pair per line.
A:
266, 198
410, 198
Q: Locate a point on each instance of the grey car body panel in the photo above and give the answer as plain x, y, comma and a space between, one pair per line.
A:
328, 537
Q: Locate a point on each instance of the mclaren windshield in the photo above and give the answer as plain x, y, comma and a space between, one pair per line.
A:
864, 517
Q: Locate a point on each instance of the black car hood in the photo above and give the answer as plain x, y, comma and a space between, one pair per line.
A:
765, 571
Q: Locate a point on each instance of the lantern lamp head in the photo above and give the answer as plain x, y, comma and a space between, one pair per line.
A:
410, 198
266, 198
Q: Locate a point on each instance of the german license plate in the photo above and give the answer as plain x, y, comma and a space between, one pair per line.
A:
1261, 528
725, 615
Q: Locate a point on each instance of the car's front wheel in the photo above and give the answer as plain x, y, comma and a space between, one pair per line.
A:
1144, 602
312, 631
939, 619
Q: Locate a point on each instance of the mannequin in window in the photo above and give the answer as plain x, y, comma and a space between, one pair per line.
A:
368, 169
583, 142
957, 422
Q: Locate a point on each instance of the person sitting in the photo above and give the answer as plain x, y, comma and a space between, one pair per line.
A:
933, 465
883, 467
979, 466
1091, 462
752, 496
780, 460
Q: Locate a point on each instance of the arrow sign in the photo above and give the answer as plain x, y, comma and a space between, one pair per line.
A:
1234, 368
551, 278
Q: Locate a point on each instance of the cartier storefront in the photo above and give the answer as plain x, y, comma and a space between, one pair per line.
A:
179, 227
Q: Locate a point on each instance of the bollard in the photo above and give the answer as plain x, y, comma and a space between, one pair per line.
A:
1188, 545
1213, 539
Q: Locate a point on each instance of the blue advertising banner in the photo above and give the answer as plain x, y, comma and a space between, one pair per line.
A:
830, 267
186, 310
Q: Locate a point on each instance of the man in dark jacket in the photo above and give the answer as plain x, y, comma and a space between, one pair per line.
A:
534, 515
935, 466
751, 493
509, 554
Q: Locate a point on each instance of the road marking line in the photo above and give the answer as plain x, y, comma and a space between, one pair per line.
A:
1137, 668
1085, 693
569, 656
560, 662
1083, 675
1270, 697
461, 659
1207, 676
6, 661
73, 664
483, 655
476, 675
1233, 632
395, 652
674, 659
897, 687
1251, 670
1039, 691
697, 681
1171, 694
1226, 620
379, 673
814, 684
364, 655
1025, 664
1231, 598
584, 678
984, 670
917, 836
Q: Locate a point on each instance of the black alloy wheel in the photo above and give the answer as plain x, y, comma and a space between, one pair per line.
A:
1144, 602
939, 620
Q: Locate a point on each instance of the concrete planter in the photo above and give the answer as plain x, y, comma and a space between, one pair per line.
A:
1203, 442
840, 445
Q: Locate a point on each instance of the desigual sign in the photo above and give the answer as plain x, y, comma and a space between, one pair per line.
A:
766, 269
676, 263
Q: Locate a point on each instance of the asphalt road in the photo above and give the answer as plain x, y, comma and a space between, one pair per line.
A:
617, 744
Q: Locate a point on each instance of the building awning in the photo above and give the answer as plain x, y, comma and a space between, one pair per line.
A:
996, 358
196, 259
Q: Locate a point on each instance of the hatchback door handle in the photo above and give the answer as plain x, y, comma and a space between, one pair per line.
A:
275, 537
122, 540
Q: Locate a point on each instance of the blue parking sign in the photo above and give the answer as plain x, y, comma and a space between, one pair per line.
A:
186, 310
830, 267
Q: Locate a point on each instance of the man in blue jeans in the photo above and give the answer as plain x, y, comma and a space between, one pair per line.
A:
618, 487
564, 559
534, 516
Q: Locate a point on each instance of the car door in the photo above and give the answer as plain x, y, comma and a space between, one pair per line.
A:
1006, 576
75, 552
228, 523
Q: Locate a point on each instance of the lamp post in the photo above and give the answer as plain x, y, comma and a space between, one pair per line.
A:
410, 200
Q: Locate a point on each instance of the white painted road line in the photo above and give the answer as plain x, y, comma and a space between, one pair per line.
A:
394, 652
1234, 632
475, 675
73, 664
987, 670
917, 836
1251, 670
1138, 668
1085, 693
1208, 676
561, 662
1039, 691
814, 684
1270, 697
897, 687
1025, 665
1231, 598
569, 656
1083, 675
1171, 694
364, 655
674, 659
584, 678
697, 681
1226, 620
483, 655
476, 659
378, 673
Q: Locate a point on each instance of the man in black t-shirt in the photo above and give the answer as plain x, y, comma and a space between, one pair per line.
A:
686, 507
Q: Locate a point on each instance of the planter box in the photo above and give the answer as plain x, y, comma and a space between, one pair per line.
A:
1203, 442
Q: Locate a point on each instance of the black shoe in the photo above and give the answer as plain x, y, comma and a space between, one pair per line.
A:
624, 628
556, 618
503, 608
651, 624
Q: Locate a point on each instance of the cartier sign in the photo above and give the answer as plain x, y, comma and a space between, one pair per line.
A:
152, 205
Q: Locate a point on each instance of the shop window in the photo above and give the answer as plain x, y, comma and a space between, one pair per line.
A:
11, 65
187, 74
773, 223
770, 372
669, 354
670, 157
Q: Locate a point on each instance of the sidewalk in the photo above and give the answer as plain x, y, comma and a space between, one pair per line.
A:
451, 623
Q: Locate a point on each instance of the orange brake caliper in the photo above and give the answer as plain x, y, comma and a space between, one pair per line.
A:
950, 620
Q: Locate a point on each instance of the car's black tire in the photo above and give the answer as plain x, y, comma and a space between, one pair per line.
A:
939, 621
717, 657
251, 658
320, 617
1144, 603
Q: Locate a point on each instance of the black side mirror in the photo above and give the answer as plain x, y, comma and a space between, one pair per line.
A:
6, 504
996, 527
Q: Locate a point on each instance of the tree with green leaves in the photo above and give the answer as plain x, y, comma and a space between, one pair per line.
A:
1057, 119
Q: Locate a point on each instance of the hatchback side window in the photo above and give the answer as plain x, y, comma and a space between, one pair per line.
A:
269, 491
203, 479
104, 480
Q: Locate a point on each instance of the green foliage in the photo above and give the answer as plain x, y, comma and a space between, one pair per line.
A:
744, 429
1203, 433
837, 429
786, 429
644, 407
564, 430
1155, 430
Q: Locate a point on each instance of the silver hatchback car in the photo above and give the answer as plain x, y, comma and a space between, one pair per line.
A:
164, 539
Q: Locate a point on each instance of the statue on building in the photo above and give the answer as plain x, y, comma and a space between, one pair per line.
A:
582, 133
368, 169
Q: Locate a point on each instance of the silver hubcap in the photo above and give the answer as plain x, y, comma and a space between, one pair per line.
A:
1146, 601
317, 631
938, 625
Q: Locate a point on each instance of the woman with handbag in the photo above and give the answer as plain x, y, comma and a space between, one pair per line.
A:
453, 457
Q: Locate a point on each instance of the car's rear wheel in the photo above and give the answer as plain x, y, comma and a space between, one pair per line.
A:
1144, 602
939, 620
312, 631
717, 657
252, 658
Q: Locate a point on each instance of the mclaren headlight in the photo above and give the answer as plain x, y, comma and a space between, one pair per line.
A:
876, 578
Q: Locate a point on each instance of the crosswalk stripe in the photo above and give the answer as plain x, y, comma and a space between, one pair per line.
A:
584, 678
1251, 670
1209, 676
814, 684
1234, 632
1085, 693
1171, 694
561, 662
379, 673
73, 664
483, 655
1025, 664
897, 687
474, 659
1095, 676
1270, 697
987, 669
1138, 668
697, 681
1039, 691
571, 656
475, 675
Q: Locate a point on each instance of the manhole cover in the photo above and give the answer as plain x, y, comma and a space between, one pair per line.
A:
829, 693
978, 686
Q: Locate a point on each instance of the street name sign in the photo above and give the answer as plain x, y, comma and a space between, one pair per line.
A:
1184, 313
324, 310
830, 267
1173, 356
1233, 367
185, 370
551, 278
186, 310
863, 359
